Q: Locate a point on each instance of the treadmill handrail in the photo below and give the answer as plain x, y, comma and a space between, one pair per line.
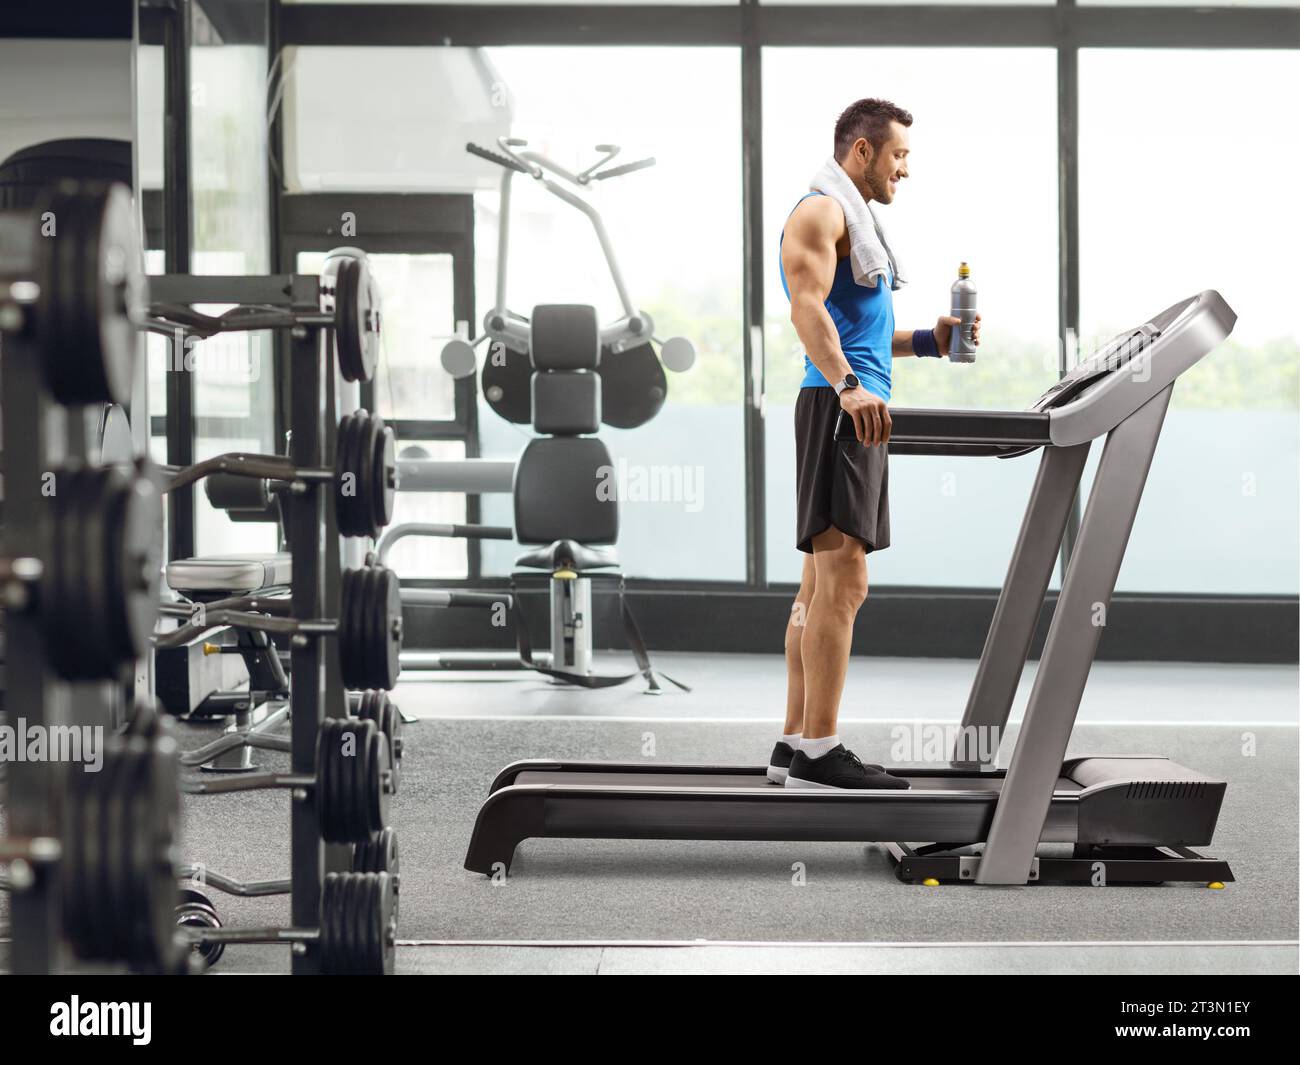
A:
996, 428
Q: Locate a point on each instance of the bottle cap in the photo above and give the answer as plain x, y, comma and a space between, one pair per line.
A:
963, 270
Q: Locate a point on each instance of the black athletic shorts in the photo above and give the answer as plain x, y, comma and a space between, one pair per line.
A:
841, 482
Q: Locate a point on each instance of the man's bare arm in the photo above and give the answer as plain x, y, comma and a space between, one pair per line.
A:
808, 256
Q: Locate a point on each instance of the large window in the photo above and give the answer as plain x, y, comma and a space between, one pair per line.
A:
1187, 182
676, 229
234, 380
981, 188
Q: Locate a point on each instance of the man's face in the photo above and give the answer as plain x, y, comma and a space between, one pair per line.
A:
883, 170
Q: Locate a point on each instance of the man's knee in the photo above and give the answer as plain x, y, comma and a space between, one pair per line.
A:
843, 582
846, 591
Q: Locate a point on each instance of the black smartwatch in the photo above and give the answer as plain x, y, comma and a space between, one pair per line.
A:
850, 381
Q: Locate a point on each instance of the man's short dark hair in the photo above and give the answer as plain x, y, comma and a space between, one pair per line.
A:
868, 118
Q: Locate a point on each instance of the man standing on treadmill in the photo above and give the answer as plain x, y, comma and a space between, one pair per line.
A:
839, 273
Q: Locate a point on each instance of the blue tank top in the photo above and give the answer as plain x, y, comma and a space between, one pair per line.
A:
864, 319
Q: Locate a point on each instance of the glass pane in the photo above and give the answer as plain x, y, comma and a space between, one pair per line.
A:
427, 556
680, 252
945, 212
1180, 188
417, 321
1185, 3
404, 118
905, 3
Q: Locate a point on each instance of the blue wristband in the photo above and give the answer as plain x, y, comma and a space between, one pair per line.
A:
924, 345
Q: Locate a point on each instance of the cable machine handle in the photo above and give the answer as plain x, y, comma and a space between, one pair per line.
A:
496, 157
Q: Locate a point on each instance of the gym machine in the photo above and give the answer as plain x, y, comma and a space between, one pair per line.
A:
1130, 819
561, 514
633, 384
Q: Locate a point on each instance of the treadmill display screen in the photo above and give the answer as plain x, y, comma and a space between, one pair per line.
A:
1119, 350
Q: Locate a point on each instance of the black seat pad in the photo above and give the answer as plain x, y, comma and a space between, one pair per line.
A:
568, 554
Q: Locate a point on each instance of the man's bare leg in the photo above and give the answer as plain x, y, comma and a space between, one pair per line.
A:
794, 686
840, 588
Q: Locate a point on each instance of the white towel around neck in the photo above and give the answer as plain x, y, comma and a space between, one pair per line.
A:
869, 250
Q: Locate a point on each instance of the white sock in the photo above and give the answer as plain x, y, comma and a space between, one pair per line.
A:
817, 748
792, 738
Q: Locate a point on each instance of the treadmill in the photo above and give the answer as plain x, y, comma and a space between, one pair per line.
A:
1129, 819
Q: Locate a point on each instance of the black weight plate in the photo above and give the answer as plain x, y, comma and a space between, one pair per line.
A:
392, 727
385, 472
375, 706
117, 860
374, 799
356, 614
96, 511
342, 469
58, 606
79, 640
378, 854
349, 610
347, 492
80, 838
138, 571
352, 648
330, 908
83, 893
342, 926
136, 917
374, 628
633, 386
68, 325
363, 622
351, 764
160, 814
356, 320
391, 591
358, 501
96, 890
327, 784
384, 910
507, 381
92, 286
369, 931
378, 510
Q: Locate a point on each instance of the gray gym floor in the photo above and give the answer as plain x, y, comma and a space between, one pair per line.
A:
592, 906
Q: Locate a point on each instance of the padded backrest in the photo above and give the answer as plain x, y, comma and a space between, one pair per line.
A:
564, 490
564, 336
566, 402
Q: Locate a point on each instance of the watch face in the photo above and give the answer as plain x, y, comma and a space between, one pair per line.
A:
850, 381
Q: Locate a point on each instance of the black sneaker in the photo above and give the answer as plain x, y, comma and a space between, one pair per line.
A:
839, 768
778, 766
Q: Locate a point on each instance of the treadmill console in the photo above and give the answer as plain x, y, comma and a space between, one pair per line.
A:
1119, 350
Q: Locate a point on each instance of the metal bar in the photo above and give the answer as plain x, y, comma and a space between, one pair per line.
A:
754, 250
978, 427
184, 288
792, 25
1071, 645
456, 475
1067, 170
178, 227
1016, 616
306, 518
